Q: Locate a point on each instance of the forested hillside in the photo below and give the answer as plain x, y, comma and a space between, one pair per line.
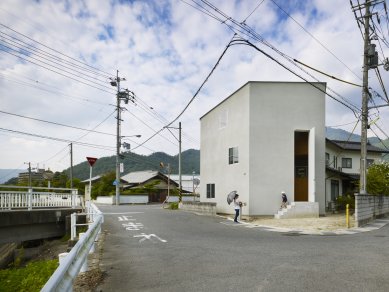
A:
190, 161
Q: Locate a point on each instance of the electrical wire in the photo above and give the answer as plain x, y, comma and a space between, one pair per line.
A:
25, 59
58, 124
193, 97
91, 84
313, 37
108, 75
248, 31
58, 139
328, 75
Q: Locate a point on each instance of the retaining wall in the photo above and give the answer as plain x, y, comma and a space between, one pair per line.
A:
369, 207
198, 207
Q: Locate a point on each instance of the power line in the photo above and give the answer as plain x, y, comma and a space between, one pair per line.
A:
10, 40
259, 4
193, 97
56, 123
108, 75
317, 40
58, 139
39, 85
25, 59
55, 67
328, 75
254, 35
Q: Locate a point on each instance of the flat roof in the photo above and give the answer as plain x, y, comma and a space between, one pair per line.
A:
249, 82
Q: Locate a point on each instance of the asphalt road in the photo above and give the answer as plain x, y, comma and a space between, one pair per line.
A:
150, 249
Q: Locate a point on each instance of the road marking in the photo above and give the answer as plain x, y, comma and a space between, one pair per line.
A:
133, 226
149, 237
119, 213
125, 218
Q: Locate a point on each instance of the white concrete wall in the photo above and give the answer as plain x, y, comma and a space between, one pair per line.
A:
176, 199
277, 110
262, 120
105, 200
225, 127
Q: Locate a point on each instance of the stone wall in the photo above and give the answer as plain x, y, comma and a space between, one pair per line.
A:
198, 207
369, 207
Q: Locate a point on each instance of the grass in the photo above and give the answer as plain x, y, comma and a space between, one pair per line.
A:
32, 277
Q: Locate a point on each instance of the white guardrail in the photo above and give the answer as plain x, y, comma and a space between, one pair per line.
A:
32, 198
71, 264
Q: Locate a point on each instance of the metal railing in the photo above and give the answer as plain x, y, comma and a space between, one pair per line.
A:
38, 197
64, 275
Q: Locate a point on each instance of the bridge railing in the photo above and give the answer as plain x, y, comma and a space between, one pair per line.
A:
64, 275
16, 197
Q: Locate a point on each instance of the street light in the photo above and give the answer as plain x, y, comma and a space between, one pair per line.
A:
127, 145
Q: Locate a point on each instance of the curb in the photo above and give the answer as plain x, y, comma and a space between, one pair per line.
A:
374, 225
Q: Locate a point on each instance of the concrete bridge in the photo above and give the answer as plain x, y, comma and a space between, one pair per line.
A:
35, 213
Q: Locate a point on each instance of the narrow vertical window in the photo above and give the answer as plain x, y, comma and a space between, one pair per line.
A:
233, 155
210, 191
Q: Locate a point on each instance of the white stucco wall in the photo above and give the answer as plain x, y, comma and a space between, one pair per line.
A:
262, 120
277, 110
227, 126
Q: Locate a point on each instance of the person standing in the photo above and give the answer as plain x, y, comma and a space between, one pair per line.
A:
237, 206
284, 202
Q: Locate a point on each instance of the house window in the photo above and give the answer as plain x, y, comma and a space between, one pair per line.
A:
233, 155
327, 159
369, 162
347, 163
334, 189
210, 191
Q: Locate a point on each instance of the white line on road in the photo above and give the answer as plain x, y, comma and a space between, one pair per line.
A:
148, 237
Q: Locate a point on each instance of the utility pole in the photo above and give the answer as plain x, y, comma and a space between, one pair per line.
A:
370, 61
179, 159
118, 139
71, 165
365, 94
125, 95
29, 175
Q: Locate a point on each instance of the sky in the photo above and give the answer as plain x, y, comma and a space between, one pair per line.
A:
57, 59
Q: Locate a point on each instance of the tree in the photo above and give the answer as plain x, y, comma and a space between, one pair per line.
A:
104, 187
378, 179
77, 184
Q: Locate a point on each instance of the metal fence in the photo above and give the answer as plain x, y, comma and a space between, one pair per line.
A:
16, 197
64, 275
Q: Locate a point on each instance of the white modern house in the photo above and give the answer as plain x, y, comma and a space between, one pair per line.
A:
343, 166
265, 138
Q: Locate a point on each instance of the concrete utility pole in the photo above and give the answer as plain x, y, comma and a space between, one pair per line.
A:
71, 165
179, 159
118, 139
365, 94
125, 95
29, 175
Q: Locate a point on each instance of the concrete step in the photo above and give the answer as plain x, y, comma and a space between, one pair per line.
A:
299, 210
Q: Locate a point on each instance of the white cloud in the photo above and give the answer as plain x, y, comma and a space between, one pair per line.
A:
164, 49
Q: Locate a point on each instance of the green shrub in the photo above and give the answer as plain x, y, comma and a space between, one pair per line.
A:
173, 205
342, 201
30, 278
